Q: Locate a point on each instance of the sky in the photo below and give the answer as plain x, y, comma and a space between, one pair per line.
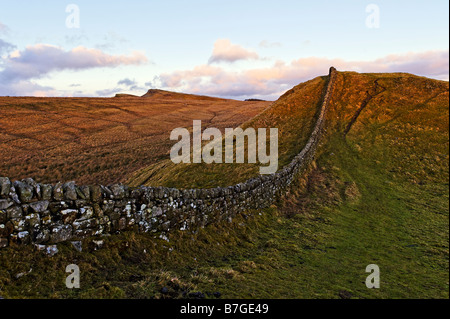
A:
233, 49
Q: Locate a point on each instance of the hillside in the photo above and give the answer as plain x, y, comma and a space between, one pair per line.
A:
377, 194
168, 95
101, 140
402, 107
293, 116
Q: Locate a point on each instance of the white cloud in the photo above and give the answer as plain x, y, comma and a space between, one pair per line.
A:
6, 46
40, 59
127, 82
225, 51
4, 29
37, 61
108, 92
26, 88
271, 82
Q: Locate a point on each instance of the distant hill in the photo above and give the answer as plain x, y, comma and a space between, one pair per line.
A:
253, 100
125, 95
161, 94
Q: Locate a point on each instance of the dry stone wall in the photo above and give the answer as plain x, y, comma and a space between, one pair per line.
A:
47, 214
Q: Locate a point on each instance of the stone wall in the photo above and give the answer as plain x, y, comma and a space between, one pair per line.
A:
42, 214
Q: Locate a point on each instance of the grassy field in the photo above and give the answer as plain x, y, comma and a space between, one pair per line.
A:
377, 194
102, 140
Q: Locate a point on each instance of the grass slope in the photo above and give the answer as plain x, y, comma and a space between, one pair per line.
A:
294, 114
377, 193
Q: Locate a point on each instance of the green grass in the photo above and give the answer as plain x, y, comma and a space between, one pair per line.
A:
320, 251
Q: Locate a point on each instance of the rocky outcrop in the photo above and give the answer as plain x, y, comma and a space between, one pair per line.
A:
37, 213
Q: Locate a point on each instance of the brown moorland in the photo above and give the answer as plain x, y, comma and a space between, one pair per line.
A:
103, 140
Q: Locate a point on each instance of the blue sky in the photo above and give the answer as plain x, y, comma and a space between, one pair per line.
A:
237, 49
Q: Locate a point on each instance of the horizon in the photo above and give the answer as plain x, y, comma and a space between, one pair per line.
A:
117, 95
251, 50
